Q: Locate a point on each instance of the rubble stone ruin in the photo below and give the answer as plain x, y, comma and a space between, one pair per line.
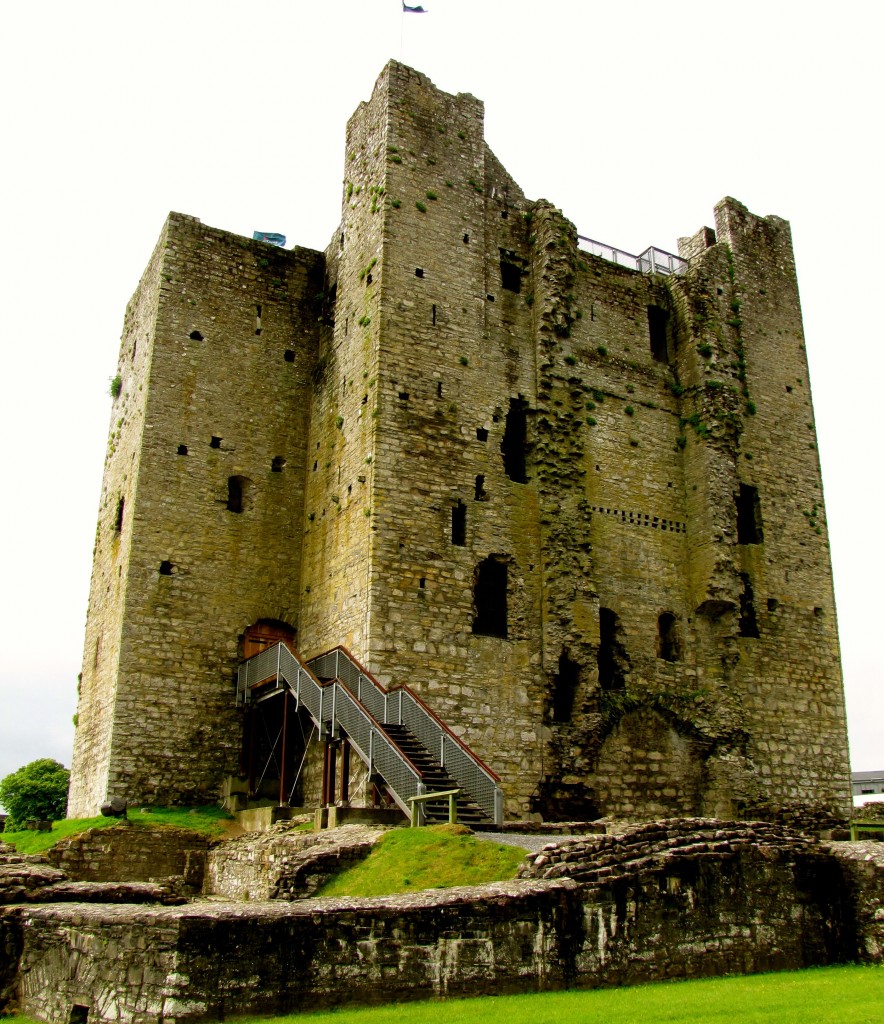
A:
569, 497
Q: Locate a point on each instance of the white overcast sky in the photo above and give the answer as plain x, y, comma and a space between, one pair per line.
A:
634, 118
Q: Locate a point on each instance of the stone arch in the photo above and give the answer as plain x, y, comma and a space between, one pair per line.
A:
648, 768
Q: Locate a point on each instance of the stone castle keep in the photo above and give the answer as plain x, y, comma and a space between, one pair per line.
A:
575, 506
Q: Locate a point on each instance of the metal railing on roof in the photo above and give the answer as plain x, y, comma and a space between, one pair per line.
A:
651, 261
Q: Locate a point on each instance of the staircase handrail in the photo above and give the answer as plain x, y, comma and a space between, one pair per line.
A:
402, 706
330, 705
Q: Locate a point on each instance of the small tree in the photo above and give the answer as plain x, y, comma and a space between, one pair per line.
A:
37, 790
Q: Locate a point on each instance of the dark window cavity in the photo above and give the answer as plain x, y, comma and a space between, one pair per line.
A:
258, 318
418, 271
278, 464
237, 493
288, 355
118, 524
668, 644
749, 527
480, 494
658, 328
565, 688
748, 622
434, 314
466, 239
182, 449
481, 434
613, 661
79, 1014
490, 598
403, 395
166, 568
510, 276
512, 447
195, 336
459, 524
215, 442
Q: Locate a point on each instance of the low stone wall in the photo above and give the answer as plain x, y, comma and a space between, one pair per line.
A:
133, 853
671, 899
863, 866
283, 864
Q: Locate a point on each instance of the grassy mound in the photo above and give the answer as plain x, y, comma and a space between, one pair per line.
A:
437, 857
210, 821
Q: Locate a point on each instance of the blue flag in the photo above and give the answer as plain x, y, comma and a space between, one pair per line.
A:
269, 236
412, 10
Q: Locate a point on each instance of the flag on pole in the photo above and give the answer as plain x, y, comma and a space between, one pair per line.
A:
412, 10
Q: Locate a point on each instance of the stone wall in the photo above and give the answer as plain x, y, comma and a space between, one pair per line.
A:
133, 854
667, 900
286, 865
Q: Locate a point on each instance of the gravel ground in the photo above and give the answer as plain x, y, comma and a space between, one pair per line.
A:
527, 842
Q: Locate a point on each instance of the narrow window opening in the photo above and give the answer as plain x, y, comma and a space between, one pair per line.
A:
423, 583
342, 239
772, 604
368, 279
510, 276
118, 524
481, 434
818, 612
748, 622
79, 1014
668, 645
613, 661
418, 271
466, 239
480, 493
195, 336
215, 442
512, 447
789, 389
749, 526
490, 298
658, 320
258, 318
315, 465
459, 524
237, 492
278, 464
182, 449
490, 598
166, 568
288, 355
565, 685
403, 395
434, 314
504, 214
134, 349
439, 389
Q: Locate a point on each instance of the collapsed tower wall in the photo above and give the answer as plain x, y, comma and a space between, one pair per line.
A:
578, 508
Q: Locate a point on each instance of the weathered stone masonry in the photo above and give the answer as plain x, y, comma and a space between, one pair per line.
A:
576, 507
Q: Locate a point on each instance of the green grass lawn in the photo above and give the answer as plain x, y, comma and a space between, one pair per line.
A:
829, 995
437, 857
209, 821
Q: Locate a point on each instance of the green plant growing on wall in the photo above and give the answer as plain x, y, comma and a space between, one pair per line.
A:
339, 422
364, 321
464, 361
395, 203
476, 186
395, 158
629, 410
602, 350
751, 408
431, 195
349, 189
591, 421
681, 441
116, 386
421, 206
571, 360
598, 396
705, 349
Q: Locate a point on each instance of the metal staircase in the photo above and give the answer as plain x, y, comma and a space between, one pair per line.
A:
402, 742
